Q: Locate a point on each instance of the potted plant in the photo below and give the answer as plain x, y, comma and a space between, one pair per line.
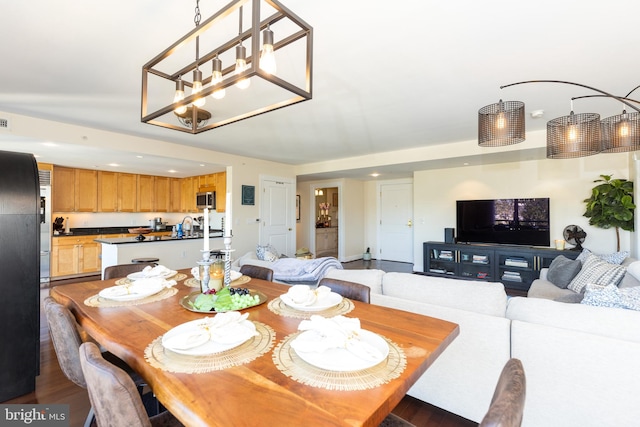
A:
611, 205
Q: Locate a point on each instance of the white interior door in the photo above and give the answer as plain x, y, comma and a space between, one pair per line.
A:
277, 208
396, 222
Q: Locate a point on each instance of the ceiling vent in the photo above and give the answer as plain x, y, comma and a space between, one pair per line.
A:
4, 124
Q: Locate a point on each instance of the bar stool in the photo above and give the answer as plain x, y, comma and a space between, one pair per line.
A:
140, 260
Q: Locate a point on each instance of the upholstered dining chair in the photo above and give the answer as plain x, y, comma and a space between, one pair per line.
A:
123, 270
507, 405
351, 290
113, 393
257, 272
67, 336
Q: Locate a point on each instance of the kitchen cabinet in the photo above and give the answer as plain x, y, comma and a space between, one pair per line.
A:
207, 182
175, 185
127, 192
221, 191
161, 194
75, 255
188, 191
63, 189
74, 190
107, 191
145, 192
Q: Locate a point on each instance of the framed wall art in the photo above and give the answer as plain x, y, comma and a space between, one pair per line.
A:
248, 195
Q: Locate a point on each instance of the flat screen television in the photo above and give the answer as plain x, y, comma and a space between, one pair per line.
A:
503, 221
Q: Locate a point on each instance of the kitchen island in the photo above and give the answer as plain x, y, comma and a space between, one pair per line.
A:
172, 252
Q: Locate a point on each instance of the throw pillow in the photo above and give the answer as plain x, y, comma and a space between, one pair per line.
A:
562, 271
266, 253
612, 296
613, 258
598, 271
634, 269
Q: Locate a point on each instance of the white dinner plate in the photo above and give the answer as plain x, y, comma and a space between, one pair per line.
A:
141, 275
130, 292
202, 346
331, 299
341, 359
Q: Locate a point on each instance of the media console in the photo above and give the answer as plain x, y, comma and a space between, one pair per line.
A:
515, 266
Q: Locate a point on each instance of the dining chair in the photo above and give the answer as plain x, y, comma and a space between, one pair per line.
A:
257, 272
507, 405
113, 394
351, 290
123, 270
67, 336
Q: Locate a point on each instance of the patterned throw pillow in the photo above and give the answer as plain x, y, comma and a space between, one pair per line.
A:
266, 253
612, 296
614, 258
597, 271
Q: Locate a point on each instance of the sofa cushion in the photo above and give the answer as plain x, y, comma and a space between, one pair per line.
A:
562, 271
477, 296
572, 298
369, 277
595, 270
266, 253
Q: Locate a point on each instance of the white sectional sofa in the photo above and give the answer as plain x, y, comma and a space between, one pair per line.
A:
581, 362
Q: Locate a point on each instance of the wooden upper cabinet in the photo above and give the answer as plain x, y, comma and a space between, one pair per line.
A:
145, 193
107, 191
162, 194
86, 190
127, 191
188, 191
221, 191
207, 182
175, 186
63, 189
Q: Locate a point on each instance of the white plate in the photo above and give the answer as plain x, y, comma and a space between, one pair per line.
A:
141, 275
331, 299
341, 359
129, 292
204, 347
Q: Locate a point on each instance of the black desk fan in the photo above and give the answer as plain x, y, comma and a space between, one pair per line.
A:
574, 235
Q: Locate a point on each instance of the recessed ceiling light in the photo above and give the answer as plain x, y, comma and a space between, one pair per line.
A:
466, 164
201, 164
172, 171
50, 144
138, 156
114, 165
375, 174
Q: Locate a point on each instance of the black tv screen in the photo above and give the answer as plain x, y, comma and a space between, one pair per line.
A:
503, 221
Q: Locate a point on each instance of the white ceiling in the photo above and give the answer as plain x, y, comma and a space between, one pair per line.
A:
387, 76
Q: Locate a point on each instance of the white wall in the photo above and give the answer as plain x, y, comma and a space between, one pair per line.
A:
566, 182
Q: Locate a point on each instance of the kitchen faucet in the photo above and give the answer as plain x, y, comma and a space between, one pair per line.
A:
187, 231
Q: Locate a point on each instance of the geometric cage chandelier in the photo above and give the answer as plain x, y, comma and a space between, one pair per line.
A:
248, 58
575, 135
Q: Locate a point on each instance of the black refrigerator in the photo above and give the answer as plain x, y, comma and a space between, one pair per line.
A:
19, 274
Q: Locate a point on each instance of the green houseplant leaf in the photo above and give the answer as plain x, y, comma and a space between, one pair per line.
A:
611, 205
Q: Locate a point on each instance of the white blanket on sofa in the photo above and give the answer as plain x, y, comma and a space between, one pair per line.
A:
303, 270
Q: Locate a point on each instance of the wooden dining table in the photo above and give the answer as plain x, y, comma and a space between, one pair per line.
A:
256, 392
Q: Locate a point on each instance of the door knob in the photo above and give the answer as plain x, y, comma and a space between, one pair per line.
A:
409, 223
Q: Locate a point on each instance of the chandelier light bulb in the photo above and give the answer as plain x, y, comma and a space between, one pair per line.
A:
501, 122
216, 77
179, 96
267, 55
241, 65
572, 134
197, 88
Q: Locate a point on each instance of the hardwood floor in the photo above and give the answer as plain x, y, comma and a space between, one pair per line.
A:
53, 387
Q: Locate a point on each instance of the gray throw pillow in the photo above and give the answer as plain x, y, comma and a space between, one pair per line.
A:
562, 271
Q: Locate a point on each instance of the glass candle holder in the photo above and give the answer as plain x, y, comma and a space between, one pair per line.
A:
217, 275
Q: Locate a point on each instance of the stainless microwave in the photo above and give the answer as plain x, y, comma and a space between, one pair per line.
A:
206, 200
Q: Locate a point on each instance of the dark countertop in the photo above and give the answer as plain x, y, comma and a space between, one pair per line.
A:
92, 231
122, 240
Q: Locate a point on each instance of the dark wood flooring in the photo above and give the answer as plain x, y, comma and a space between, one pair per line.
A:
53, 387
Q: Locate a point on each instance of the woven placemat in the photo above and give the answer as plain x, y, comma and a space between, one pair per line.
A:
192, 282
98, 301
280, 308
164, 359
291, 365
177, 277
